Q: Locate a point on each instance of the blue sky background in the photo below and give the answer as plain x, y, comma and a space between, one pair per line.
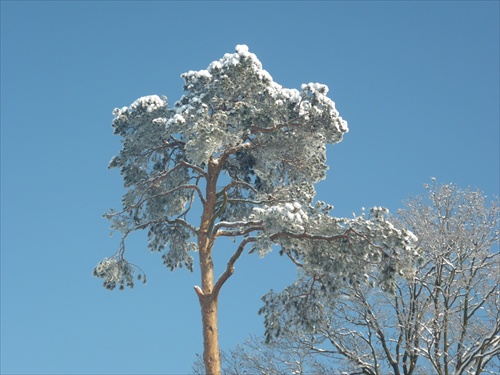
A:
418, 83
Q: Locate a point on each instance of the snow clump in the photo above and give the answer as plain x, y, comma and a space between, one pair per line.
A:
148, 103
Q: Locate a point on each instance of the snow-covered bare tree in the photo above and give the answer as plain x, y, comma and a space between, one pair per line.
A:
444, 319
237, 156
282, 357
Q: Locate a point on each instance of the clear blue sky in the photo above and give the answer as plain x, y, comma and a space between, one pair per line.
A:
418, 83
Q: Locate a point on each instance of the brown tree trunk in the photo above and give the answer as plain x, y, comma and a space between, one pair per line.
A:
208, 298
208, 303
211, 352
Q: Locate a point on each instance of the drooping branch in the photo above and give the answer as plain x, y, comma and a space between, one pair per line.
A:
292, 258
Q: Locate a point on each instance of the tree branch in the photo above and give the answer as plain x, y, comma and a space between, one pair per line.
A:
346, 236
230, 266
237, 224
193, 167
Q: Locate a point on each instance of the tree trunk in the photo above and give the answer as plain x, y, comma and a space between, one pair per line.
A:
208, 303
211, 352
206, 294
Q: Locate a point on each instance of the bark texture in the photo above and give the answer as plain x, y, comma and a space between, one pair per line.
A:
211, 352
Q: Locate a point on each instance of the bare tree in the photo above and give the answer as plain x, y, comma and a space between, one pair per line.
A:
444, 319
282, 357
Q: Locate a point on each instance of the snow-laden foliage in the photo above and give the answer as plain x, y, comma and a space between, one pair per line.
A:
116, 270
241, 153
366, 250
247, 152
236, 104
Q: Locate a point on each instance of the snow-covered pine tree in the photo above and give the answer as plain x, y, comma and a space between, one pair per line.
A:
248, 152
